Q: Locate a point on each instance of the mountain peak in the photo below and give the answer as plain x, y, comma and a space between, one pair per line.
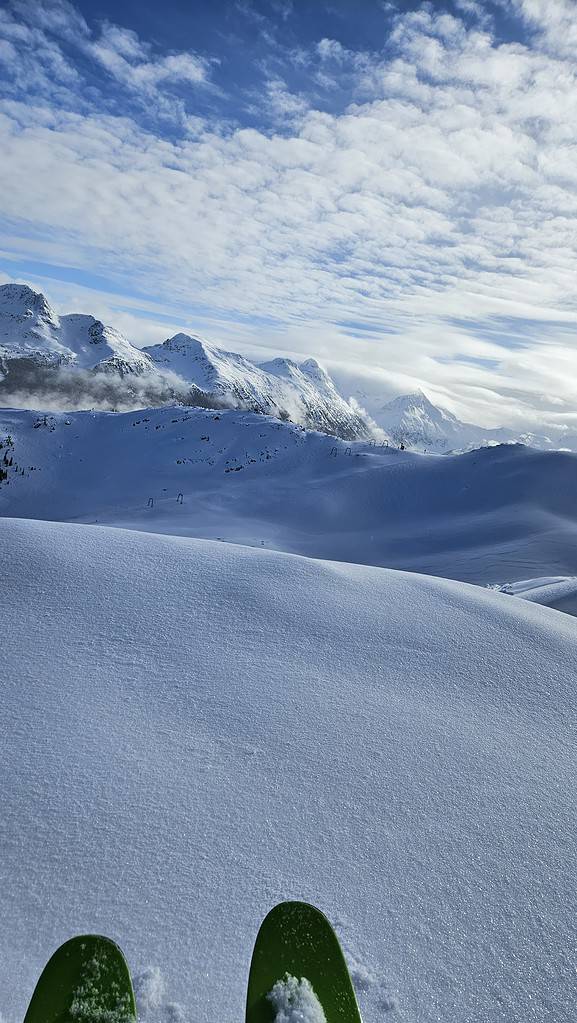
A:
416, 399
279, 366
20, 293
30, 329
417, 404
415, 420
199, 363
313, 369
291, 370
191, 347
184, 342
21, 301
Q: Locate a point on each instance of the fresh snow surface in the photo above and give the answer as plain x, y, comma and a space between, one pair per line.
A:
294, 1001
491, 515
193, 731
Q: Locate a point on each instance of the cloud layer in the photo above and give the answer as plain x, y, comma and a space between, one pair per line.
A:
407, 214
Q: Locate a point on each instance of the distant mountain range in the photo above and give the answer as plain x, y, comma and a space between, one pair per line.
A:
303, 393
76, 362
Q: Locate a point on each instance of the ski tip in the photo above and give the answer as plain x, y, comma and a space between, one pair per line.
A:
87, 978
297, 943
300, 911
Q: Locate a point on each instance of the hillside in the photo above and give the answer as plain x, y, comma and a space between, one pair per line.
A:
194, 731
495, 515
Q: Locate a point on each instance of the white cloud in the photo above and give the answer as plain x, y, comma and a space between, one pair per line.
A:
330, 49
124, 58
123, 41
8, 52
284, 8
555, 23
56, 16
128, 60
435, 216
34, 62
475, 9
281, 103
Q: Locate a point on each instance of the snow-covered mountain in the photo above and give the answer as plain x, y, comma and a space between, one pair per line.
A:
31, 330
36, 345
413, 420
302, 393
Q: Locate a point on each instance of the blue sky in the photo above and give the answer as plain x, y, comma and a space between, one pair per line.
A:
390, 187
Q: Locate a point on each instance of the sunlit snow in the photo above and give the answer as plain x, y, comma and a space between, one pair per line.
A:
294, 1001
193, 731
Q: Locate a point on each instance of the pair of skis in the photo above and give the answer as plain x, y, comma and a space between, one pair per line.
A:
298, 971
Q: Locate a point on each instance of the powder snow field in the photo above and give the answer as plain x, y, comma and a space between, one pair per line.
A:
494, 515
192, 731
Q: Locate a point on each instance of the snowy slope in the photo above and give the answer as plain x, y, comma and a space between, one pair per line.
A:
559, 592
30, 329
414, 420
304, 393
490, 516
194, 731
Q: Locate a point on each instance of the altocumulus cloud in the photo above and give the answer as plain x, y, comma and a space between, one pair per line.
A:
422, 233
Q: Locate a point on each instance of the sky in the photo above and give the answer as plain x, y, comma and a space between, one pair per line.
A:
390, 187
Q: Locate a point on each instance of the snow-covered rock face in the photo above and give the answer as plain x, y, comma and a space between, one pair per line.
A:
28, 325
210, 369
31, 330
302, 393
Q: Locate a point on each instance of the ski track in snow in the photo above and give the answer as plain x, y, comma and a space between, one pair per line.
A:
193, 731
559, 592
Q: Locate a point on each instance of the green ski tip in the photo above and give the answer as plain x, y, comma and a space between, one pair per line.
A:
298, 940
86, 981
